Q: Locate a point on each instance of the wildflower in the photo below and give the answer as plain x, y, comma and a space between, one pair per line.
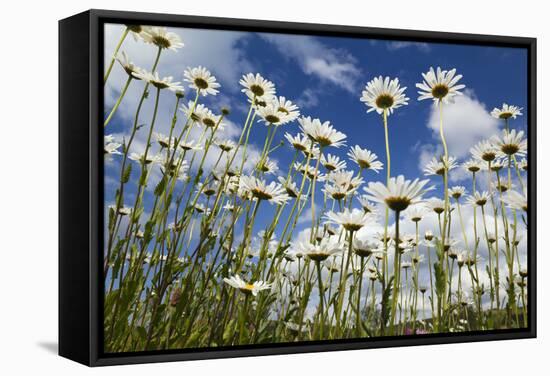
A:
382, 94
352, 220
506, 112
322, 133
201, 80
161, 37
365, 159
245, 287
399, 194
440, 85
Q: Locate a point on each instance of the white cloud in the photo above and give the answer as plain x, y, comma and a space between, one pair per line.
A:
398, 45
336, 66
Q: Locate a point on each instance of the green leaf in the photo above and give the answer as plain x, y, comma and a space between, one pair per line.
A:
127, 173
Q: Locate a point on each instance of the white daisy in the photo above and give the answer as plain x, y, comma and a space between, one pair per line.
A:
364, 248
319, 251
271, 115
365, 158
195, 112
399, 194
291, 188
286, 107
523, 165
110, 146
345, 179
382, 94
299, 142
190, 145
506, 112
158, 82
485, 151
515, 200
266, 165
437, 166
257, 87
436, 205
479, 198
368, 207
140, 157
201, 80
511, 143
129, 67
337, 192
332, 162
440, 85
322, 133
415, 213
136, 30
245, 287
352, 220
473, 165
259, 189
457, 191
161, 37
225, 145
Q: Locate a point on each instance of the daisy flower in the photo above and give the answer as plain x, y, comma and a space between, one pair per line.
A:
322, 133
225, 145
363, 248
320, 251
333, 162
195, 112
299, 142
366, 205
473, 165
267, 166
110, 146
337, 192
523, 165
506, 112
270, 115
161, 37
201, 80
415, 213
436, 205
158, 82
457, 191
365, 158
164, 141
129, 67
437, 166
440, 85
190, 145
210, 120
345, 179
245, 287
399, 194
286, 107
291, 188
515, 200
140, 157
257, 87
382, 94
479, 198
511, 143
485, 151
136, 30
352, 220
259, 189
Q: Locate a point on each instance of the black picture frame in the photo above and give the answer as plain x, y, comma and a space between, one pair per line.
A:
81, 195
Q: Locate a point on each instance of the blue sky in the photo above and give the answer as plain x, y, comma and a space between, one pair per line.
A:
325, 77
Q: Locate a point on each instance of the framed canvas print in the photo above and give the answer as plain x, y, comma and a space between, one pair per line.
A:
240, 187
